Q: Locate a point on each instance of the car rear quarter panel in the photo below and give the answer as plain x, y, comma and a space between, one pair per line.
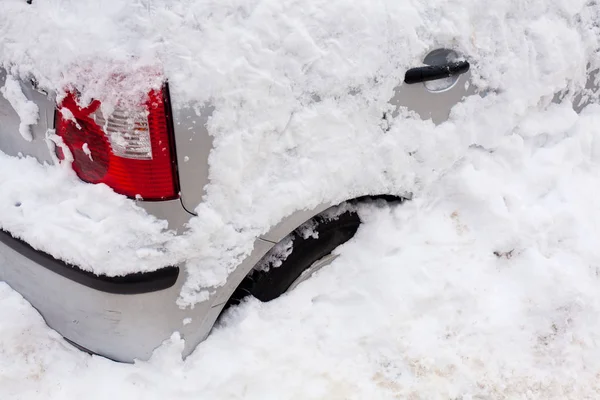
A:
14, 144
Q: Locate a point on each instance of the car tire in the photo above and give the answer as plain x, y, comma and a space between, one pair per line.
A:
327, 235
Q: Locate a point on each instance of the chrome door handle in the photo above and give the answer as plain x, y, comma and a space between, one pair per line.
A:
433, 72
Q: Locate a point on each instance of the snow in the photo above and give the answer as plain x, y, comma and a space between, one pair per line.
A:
86, 151
93, 212
485, 286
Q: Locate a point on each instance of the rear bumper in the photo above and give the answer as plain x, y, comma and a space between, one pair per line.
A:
129, 284
122, 318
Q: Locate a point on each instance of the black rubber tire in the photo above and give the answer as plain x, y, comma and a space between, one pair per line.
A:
270, 284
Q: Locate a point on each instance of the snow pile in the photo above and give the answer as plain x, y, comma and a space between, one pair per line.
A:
74, 206
486, 286
299, 89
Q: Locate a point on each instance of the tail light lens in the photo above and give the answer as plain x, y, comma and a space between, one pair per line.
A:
131, 150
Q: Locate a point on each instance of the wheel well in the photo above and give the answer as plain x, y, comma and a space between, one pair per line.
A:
386, 197
287, 225
243, 280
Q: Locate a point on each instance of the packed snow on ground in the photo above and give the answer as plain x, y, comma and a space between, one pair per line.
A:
487, 286
298, 89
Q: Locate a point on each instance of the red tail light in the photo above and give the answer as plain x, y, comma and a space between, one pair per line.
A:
130, 150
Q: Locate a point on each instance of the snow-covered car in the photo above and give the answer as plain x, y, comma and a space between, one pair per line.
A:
157, 155
111, 223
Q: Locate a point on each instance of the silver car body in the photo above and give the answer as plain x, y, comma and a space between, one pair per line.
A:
130, 326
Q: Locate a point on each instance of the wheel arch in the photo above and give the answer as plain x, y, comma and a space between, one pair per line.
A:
265, 243
287, 225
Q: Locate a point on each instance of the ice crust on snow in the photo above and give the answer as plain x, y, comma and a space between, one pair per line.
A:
26, 109
298, 90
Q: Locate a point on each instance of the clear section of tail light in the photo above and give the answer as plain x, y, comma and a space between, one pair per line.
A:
127, 132
131, 150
